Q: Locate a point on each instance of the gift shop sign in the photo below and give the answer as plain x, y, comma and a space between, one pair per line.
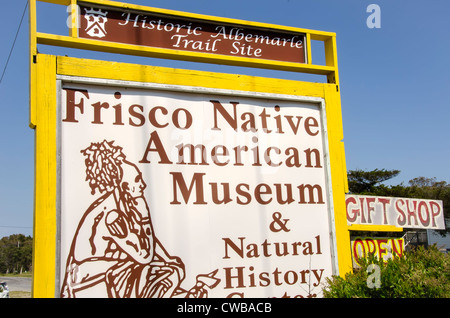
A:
182, 194
178, 33
400, 212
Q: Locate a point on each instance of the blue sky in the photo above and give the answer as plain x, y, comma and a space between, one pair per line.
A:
394, 83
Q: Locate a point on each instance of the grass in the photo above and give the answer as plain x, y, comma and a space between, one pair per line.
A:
25, 274
19, 294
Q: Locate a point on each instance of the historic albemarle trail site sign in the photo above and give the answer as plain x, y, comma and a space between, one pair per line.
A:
169, 33
157, 182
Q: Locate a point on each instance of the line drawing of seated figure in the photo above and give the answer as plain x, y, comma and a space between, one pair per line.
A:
114, 245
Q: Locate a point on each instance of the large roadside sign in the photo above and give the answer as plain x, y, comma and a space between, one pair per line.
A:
188, 194
158, 182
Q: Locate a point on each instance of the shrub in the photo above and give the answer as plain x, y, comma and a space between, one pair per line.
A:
421, 273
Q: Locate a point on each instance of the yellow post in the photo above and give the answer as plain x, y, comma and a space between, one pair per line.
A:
44, 236
73, 16
338, 176
33, 54
331, 59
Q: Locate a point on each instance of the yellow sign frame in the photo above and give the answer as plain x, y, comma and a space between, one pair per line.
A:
45, 69
72, 40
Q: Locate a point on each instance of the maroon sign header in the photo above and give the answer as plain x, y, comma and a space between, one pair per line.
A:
170, 32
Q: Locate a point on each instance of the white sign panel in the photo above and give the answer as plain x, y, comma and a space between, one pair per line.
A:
180, 194
400, 212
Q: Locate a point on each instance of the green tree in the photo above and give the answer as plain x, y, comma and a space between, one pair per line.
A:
15, 253
365, 182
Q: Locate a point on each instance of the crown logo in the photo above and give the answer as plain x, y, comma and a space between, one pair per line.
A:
96, 22
98, 12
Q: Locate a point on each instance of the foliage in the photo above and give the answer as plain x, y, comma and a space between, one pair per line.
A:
15, 253
364, 182
421, 273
